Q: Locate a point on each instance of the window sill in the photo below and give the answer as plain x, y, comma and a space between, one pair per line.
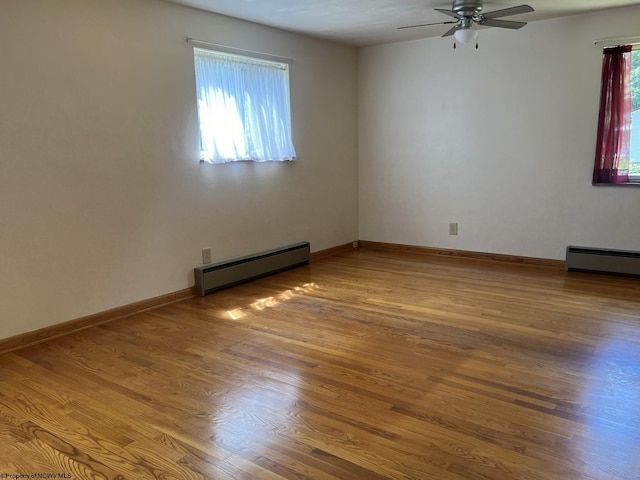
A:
628, 184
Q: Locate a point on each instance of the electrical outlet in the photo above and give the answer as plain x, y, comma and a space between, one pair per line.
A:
206, 255
453, 229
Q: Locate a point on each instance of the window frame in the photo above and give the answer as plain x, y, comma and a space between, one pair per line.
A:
634, 178
632, 45
261, 129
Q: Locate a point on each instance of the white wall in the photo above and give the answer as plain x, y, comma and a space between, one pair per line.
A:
500, 140
102, 199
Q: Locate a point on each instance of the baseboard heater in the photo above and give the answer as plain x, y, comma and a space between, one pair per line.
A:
210, 278
599, 260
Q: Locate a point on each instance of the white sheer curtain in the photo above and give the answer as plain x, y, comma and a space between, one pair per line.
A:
243, 107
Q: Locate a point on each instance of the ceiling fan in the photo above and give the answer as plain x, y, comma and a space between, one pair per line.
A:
467, 14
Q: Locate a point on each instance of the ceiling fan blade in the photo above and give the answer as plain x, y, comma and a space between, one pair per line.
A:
425, 25
490, 22
451, 13
451, 31
505, 12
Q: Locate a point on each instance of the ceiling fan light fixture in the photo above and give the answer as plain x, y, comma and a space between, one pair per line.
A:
466, 35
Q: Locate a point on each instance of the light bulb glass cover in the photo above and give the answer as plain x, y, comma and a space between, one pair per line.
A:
466, 35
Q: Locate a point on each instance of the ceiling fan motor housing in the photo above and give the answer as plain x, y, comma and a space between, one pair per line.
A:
467, 8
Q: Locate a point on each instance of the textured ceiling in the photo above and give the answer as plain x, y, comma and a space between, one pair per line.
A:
371, 22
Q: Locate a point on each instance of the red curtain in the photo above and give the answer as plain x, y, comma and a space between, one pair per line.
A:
614, 121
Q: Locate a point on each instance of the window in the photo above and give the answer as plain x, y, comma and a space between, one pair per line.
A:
634, 163
243, 108
618, 143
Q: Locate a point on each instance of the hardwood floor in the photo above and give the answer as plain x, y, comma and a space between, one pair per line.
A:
361, 366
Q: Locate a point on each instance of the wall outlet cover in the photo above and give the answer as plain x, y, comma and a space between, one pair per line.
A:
206, 255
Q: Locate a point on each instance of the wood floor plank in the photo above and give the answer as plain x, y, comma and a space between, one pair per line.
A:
363, 365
